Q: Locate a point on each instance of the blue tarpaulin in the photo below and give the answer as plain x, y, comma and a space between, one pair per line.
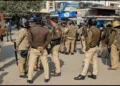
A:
67, 15
100, 23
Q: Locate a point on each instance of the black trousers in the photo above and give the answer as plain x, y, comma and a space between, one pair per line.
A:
8, 35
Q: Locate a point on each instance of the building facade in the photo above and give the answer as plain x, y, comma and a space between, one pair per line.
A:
48, 5
113, 3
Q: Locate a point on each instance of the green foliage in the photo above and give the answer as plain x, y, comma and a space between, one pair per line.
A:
20, 7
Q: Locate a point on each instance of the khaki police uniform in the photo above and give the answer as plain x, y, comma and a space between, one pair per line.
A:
83, 38
70, 38
56, 36
115, 47
91, 51
63, 40
22, 44
103, 44
43, 40
103, 36
34, 53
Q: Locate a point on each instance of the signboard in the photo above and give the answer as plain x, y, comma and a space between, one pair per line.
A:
67, 15
62, 5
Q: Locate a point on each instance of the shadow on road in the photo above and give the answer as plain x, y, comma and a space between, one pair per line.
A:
37, 74
8, 64
7, 52
1, 77
105, 61
52, 66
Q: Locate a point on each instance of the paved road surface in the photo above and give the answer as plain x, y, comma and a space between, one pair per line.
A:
71, 66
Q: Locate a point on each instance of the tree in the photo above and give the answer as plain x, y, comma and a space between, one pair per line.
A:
20, 7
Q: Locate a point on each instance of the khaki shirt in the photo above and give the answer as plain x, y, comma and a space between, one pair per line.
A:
22, 40
117, 39
64, 31
71, 33
93, 36
112, 37
56, 33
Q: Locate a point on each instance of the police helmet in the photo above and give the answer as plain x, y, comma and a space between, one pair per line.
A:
37, 20
26, 24
71, 22
108, 24
116, 24
92, 21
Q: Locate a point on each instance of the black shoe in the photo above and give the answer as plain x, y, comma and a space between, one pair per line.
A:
47, 80
26, 72
75, 50
66, 53
72, 53
23, 76
80, 77
99, 56
1, 69
56, 74
81, 52
30, 81
53, 71
92, 76
62, 52
41, 68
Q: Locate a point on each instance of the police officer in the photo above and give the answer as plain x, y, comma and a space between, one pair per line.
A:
22, 45
56, 34
39, 38
8, 31
71, 38
91, 52
105, 35
63, 39
83, 38
115, 46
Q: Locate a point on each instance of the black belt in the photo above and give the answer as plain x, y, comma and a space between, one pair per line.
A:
92, 46
33, 47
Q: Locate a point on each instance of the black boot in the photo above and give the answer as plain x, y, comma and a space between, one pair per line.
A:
72, 53
92, 76
30, 81
99, 56
1, 69
66, 53
81, 52
75, 50
80, 77
56, 74
23, 76
47, 80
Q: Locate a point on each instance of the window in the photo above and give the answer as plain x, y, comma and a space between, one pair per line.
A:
112, 5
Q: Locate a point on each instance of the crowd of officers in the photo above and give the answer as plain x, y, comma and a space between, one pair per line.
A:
34, 43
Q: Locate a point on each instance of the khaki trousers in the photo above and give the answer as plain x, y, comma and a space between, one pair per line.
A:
114, 56
90, 57
83, 43
55, 57
34, 53
102, 47
62, 47
22, 65
37, 63
70, 43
